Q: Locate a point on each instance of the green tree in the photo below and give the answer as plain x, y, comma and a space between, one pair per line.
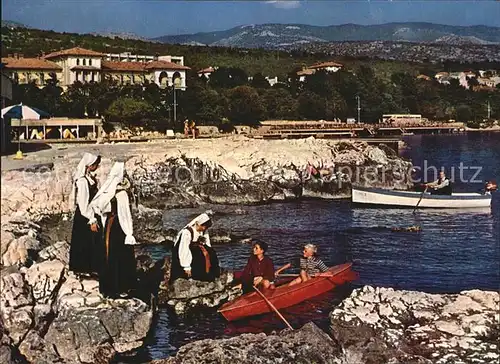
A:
259, 81
131, 112
463, 113
212, 107
312, 106
245, 106
228, 77
280, 104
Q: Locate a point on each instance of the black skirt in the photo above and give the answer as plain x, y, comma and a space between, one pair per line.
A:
118, 270
83, 253
198, 264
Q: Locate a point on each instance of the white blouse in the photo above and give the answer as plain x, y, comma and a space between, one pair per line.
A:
185, 256
125, 217
82, 198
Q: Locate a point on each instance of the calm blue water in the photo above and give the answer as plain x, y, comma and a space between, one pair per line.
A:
456, 250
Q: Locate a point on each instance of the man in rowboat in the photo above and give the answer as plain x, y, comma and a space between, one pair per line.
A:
259, 270
490, 187
441, 186
310, 265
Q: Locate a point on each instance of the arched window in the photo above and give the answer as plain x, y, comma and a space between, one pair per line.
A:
84, 62
163, 79
78, 61
177, 80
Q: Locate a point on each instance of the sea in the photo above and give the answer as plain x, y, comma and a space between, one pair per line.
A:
455, 250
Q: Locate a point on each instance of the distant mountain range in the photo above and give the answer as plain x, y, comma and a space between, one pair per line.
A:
122, 35
298, 35
13, 24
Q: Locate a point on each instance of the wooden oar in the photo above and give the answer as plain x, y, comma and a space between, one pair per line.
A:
273, 307
421, 196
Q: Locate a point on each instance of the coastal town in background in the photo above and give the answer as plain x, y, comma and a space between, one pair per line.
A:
111, 91
283, 181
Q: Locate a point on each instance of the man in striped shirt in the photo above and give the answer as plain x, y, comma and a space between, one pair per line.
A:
309, 265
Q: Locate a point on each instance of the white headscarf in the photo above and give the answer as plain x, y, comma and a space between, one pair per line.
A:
111, 188
200, 219
102, 200
87, 160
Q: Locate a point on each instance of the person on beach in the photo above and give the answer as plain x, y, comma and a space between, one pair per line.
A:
86, 234
309, 263
259, 271
490, 186
311, 172
194, 129
192, 254
441, 186
117, 274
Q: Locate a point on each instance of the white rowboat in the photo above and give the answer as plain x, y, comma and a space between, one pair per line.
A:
379, 196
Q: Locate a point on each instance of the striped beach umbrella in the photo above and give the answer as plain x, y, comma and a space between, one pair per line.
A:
21, 111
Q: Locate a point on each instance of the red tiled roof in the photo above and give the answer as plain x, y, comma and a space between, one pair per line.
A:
141, 66
29, 63
84, 68
326, 64
306, 72
207, 70
77, 51
423, 77
159, 65
123, 66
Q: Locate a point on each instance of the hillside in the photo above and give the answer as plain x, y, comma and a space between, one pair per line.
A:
277, 36
32, 42
13, 24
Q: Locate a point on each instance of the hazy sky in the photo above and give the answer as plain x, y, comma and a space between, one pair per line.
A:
152, 18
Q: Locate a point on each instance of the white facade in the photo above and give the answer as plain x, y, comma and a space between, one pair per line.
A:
79, 68
171, 78
129, 57
272, 81
174, 59
330, 68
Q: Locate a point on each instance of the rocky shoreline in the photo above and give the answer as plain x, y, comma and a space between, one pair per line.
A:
50, 315
373, 325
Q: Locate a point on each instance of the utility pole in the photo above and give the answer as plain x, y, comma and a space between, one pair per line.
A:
175, 105
359, 108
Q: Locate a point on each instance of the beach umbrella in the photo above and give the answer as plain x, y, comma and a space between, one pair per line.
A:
20, 112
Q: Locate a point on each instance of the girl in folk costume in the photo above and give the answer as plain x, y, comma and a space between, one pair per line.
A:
85, 237
192, 255
117, 274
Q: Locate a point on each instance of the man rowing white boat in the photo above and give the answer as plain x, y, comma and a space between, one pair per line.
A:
441, 186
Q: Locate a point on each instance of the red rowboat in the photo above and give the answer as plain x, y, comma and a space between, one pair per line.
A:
252, 304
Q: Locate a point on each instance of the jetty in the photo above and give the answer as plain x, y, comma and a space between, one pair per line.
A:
327, 129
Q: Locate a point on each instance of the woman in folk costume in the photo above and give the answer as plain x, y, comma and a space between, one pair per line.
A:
193, 255
85, 237
117, 274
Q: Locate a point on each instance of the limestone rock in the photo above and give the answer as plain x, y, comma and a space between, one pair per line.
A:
308, 344
15, 291
59, 251
44, 277
81, 333
185, 294
466, 329
17, 321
